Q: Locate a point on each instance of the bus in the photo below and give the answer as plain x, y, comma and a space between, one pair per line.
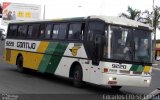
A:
101, 50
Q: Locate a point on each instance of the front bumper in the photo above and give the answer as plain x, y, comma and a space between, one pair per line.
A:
126, 80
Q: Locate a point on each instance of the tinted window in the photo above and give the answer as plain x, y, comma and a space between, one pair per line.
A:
42, 30
33, 31
55, 32
121, 38
62, 31
142, 45
59, 31
48, 31
95, 27
74, 31
22, 29
12, 30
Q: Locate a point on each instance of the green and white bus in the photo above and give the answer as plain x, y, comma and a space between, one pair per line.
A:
107, 51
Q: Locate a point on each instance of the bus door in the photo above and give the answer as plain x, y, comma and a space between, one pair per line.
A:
94, 41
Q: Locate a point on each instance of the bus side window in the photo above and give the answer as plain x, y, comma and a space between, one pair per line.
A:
33, 31
12, 31
22, 30
55, 32
42, 30
48, 31
62, 31
74, 31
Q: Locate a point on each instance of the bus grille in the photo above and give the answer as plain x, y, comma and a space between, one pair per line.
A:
129, 72
137, 73
124, 72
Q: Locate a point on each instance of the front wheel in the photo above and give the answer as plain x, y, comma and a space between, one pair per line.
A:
77, 76
116, 88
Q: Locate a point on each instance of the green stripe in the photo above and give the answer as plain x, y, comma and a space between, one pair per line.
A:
138, 68
44, 63
56, 58
51, 47
134, 68
50, 62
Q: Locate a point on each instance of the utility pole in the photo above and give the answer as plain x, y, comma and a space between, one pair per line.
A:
44, 12
154, 32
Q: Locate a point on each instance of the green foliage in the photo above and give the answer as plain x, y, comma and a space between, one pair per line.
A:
152, 18
133, 14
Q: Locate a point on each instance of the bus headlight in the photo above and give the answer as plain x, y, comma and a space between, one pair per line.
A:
112, 78
147, 81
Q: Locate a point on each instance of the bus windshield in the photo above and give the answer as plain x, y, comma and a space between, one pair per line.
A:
128, 44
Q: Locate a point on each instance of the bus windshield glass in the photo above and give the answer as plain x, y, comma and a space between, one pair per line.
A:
128, 44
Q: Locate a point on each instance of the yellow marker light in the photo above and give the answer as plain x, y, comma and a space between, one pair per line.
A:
147, 68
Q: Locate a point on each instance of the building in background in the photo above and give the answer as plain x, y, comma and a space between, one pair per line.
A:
157, 55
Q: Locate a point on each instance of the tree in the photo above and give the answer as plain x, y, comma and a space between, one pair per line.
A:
133, 14
152, 18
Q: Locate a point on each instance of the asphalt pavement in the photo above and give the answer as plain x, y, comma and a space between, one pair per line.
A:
37, 86
1, 49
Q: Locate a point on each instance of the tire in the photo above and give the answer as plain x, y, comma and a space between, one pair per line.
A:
77, 76
20, 64
116, 88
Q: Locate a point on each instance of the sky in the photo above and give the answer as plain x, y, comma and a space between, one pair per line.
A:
77, 8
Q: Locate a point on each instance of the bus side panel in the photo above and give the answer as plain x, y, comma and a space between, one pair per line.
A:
51, 59
75, 52
10, 56
65, 64
7, 55
31, 60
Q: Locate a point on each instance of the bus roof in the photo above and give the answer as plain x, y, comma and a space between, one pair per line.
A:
122, 21
107, 19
